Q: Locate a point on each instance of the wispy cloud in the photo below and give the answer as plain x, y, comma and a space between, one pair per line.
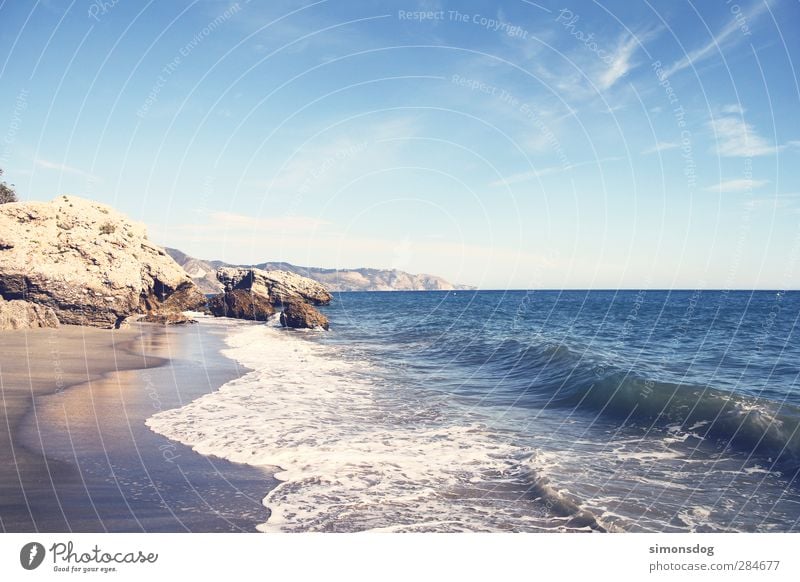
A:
527, 176
735, 108
47, 165
724, 37
661, 146
738, 139
216, 230
533, 174
325, 162
245, 239
622, 61
224, 221
784, 202
739, 185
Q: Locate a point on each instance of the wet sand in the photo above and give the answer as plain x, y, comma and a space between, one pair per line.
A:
76, 453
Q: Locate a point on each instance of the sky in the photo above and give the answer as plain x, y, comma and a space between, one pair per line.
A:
506, 145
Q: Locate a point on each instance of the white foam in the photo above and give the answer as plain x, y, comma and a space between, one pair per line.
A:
352, 456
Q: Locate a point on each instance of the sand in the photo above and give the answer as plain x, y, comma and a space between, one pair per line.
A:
75, 452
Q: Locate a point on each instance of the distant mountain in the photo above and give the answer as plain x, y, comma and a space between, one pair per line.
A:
204, 275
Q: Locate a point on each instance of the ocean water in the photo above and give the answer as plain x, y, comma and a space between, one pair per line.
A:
518, 411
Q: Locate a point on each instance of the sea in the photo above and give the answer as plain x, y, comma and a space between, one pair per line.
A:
518, 411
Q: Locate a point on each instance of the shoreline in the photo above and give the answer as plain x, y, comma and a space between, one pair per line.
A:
22, 381
75, 401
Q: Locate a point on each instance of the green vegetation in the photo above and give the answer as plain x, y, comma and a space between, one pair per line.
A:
107, 228
7, 193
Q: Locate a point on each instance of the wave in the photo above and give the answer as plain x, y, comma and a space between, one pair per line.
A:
750, 424
555, 376
352, 456
359, 447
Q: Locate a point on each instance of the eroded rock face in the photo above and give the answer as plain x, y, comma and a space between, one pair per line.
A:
302, 315
241, 304
88, 263
19, 314
168, 318
253, 294
280, 287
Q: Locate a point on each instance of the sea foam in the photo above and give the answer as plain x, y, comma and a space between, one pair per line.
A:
352, 453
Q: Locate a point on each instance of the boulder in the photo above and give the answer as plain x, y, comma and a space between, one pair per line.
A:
241, 304
168, 318
280, 287
20, 314
88, 263
302, 315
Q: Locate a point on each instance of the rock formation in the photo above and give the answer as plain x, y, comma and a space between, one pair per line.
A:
278, 286
167, 318
241, 304
302, 315
20, 314
203, 273
253, 294
88, 263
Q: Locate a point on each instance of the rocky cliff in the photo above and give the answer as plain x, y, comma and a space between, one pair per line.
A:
88, 263
278, 286
253, 294
203, 274
20, 314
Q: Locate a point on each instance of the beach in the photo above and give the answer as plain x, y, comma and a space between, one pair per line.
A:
418, 413
76, 453
535, 420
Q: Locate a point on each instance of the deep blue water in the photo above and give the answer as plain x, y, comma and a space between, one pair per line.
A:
655, 409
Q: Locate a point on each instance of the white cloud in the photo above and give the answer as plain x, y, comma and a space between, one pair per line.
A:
333, 247
775, 203
738, 139
714, 46
323, 163
47, 165
621, 62
739, 185
661, 146
735, 108
526, 176
226, 221
533, 174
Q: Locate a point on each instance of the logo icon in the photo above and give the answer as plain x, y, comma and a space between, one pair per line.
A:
31, 555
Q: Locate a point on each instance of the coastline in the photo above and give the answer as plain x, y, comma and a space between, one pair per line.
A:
78, 454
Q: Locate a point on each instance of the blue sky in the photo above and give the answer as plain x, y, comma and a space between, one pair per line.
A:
502, 144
